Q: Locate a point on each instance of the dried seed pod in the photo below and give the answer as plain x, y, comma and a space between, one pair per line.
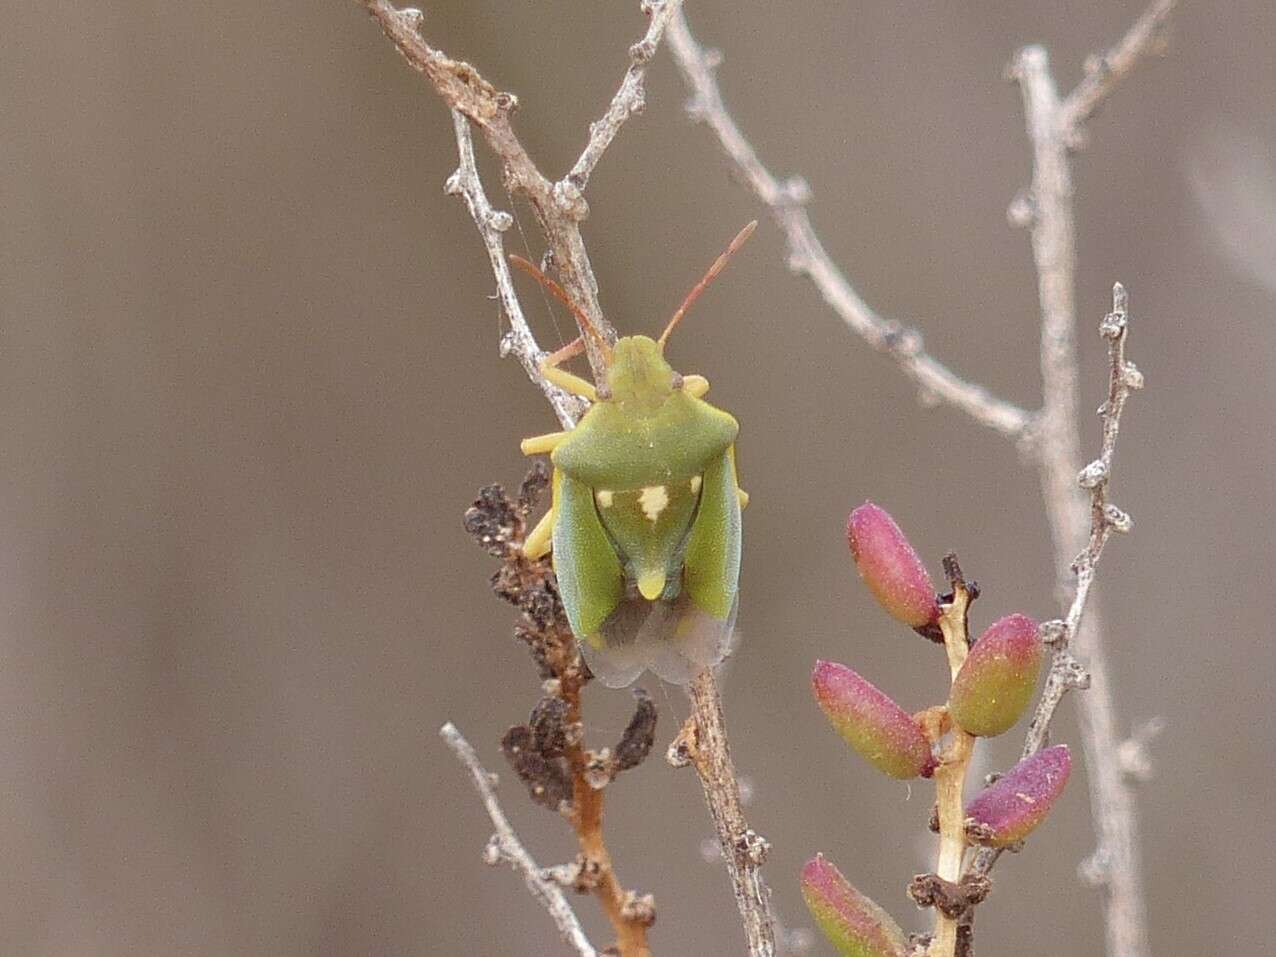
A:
995, 684
890, 567
883, 733
1009, 810
853, 924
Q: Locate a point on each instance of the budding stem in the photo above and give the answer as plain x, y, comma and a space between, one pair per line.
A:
950, 776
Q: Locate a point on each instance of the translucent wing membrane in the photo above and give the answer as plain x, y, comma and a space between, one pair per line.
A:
663, 564
672, 638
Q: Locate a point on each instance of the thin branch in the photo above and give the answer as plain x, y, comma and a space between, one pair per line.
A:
1105, 71
631, 98
505, 846
491, 223
630, 913
559, 207
950, 776
807, 255
1066, 672
1053, 434
703, 744
1115, 862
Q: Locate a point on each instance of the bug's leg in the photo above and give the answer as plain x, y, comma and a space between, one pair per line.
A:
537, 541
695, 385
564, 379
744, 498
542, 444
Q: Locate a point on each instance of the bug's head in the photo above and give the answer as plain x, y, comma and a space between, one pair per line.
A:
637, 372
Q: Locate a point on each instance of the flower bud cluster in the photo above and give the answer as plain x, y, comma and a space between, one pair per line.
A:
991, 689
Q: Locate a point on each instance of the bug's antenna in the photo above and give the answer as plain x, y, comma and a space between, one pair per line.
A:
710, 276
560, 294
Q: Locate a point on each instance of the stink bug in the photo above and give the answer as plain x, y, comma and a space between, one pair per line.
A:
645, 518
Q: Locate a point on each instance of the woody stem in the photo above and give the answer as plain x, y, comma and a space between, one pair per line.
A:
950, 776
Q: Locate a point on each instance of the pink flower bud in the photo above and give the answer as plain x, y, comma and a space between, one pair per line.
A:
995, 684
884, 734
1010, 810
853, 924
890, 568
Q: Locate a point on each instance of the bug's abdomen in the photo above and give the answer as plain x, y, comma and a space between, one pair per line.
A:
648, 526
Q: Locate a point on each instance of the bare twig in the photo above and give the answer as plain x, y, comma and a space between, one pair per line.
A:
1105, 518
1054, 127
505, 846
950, 776
491, 223
1105, 71
559, 207
1051, 129
807, 256
703, 744
630, 913
548, 753
630, 98
1066, 671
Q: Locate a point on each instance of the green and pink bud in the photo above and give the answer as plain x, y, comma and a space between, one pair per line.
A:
1011, 809
883, 733
853, 924
996, 682
890, 567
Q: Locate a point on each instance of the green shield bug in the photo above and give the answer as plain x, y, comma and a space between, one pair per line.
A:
644, 524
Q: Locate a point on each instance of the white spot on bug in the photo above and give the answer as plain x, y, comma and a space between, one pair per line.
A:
604, 498
695, 485
653, 500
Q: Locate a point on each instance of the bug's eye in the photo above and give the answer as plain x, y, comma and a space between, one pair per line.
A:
677, 380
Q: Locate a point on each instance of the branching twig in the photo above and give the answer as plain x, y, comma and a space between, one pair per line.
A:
807, 255
491, 223
703, 744
1105, 71
505, 846
1054, 127
1066, 672
548, 752
630, 98
559, 209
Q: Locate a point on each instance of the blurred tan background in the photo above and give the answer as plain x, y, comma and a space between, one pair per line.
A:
249, 384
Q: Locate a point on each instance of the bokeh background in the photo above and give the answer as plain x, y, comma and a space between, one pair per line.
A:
249, 383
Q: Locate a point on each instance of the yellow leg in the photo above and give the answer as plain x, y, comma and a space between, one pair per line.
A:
744, 497
542, 444
695, 385
568, 382
537, 542
564, 379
